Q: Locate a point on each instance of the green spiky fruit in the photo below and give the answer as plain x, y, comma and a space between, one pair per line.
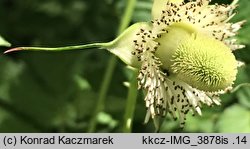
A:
201, 61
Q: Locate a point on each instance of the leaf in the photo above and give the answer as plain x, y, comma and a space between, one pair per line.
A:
9, 71
82, 83
11, 119
243, 93
235, 119
243, 14
244, 96
39, 87
204, 123
106, 119
4, 43
10, 123
85, 103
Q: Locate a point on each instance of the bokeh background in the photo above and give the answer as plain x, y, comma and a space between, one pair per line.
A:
57, 92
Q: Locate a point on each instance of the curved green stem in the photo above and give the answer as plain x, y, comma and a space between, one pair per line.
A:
130, 105
78, 47
240, 86
126, 18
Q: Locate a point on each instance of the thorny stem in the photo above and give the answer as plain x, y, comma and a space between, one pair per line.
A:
126, 18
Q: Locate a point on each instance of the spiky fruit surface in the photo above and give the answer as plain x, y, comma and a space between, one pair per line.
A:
204, 63
197, 59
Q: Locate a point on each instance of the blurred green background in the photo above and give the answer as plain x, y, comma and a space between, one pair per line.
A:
57, 92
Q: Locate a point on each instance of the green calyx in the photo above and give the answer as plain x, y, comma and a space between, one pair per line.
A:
123, 45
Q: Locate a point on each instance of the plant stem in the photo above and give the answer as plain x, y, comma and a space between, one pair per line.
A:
130, 105
236, 88
103, 93
126, 18
78, 47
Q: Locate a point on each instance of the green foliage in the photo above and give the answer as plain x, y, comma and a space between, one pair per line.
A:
57, 92
243, 14
234, 119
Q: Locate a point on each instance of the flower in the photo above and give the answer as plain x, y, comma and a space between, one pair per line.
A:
184, 56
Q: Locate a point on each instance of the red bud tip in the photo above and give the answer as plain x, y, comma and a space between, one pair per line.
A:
12, 50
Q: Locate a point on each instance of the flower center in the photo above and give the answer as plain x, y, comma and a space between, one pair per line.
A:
201, 61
